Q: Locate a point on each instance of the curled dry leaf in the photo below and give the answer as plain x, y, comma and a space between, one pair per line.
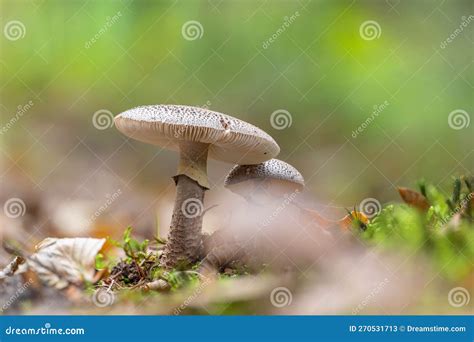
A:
414, 198
63, 262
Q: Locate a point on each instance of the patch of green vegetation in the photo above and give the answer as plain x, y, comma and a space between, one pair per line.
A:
444, 232
178, 279
133, 249
139, 265
100, 262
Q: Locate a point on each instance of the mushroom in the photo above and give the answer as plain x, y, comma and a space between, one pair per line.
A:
270, 181
197, 134
266, 186
274, 178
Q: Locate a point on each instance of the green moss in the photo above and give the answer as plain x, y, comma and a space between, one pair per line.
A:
444, 233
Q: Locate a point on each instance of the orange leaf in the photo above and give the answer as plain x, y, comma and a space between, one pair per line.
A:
347, 221
414, 198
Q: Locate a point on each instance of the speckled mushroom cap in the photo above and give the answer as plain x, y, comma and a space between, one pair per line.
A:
271, 169
231, 140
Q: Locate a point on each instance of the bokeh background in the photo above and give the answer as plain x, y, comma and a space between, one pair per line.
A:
66, 67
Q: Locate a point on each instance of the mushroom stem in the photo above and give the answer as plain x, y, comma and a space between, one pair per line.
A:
184, 245
193, 162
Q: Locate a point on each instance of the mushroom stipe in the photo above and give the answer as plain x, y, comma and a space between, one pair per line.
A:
184, 245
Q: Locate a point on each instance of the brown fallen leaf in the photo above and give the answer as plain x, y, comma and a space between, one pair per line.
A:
414, 198
103, 231
63, 262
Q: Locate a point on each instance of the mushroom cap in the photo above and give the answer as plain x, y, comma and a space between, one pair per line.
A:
273, 169
230, 139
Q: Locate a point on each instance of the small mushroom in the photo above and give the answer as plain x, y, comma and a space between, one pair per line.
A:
274, 178
197, 134
268, 188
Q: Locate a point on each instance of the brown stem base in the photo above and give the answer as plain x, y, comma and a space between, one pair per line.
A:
184, 245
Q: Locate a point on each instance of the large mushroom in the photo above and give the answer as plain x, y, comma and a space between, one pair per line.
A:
197, 134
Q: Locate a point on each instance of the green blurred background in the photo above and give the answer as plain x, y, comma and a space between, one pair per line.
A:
319, 69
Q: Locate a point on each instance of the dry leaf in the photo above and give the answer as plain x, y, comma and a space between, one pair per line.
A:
63, 262
414, 198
